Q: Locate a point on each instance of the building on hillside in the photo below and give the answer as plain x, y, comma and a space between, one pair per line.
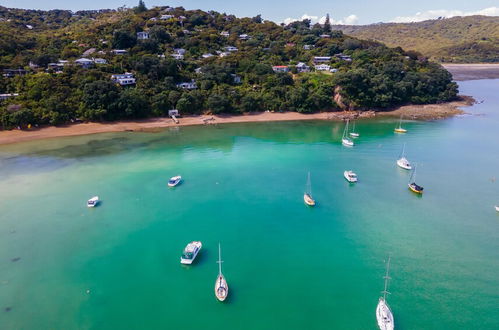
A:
322, 59
322, 67
188, 85
180, 51
142, 35
119, 51
9, 73
85, 62
290, 44
244, 37
124, 79
231, 49
177, 56
302, 67
325, 36
207, 55
343, 57
224, 33
88, 52
236, 78
333, 70
198, 70
154, 19
223, 54
4, 97
99, 61
308, 47
280, 68
166, 17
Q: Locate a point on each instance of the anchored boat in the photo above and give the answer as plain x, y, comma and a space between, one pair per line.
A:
400, 129
345, 140
221, 287
350, 176
384, 314
412, 183
174, 180
403, 162
92, 202
353, 133
307, 196
190, 252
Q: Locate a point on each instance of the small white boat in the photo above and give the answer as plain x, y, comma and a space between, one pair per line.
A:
92, 202
307, 196
190, 252
350, 176
400, 129
175, 180
497, 208
384, 315
403, 162
221, 286
353, 133
345, 140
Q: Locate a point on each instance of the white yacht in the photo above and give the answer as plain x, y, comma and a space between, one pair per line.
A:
403, 162
307, 196
384, 314
221, 286
175, 180
497, 208
350, 176
92, 202
353, 133
190, 252
345, 140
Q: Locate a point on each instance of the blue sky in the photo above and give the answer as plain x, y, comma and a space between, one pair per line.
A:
346, 11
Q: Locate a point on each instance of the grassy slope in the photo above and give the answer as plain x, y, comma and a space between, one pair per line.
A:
458, 39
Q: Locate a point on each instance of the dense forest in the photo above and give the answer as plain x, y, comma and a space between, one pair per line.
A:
60, 66
470, 39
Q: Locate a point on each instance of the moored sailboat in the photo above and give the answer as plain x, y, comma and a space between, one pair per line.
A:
412, 183
221, 287
345, 140
353, 133
307, 196
400, 129
403, 162
384, 314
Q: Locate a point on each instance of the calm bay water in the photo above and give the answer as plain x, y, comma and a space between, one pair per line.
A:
288, 266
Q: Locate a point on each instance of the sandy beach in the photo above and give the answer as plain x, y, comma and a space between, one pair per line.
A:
421, 112
473, 71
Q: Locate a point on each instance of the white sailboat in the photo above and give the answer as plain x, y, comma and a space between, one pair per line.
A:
400, 129
403, 162
384, 314
307, 196
497, 208
345, 140
353, 133
221, 287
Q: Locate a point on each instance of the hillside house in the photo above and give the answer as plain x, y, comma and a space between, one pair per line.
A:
322, 59
308, 47
85, 62
142, 35
302, 67
166, 17
224, 33
244, 37
231, 49
119, 51
207, 55
322, 67
177, 56
99, 61
280, 68
124, 79
188, 85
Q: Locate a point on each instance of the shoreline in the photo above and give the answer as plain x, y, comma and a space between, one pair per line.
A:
417, 112
472, 71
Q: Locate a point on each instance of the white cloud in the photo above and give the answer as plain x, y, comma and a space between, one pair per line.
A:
348, 20
433, 14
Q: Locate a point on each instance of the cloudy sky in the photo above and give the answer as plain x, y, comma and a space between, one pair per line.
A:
341, 12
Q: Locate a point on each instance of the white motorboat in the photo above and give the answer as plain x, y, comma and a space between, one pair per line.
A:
384, 314
350, 176
175, 180
345, 140
221, 286
92, 202
190, 252
403, 162
307, 196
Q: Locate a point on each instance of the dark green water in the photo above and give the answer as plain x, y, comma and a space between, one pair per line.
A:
288, 266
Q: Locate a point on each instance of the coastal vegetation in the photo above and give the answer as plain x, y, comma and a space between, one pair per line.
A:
58, 66
469, 39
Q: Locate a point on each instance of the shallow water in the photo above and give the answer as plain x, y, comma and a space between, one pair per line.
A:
288, 266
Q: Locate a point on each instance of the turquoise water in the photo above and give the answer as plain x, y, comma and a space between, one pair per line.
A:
288, 266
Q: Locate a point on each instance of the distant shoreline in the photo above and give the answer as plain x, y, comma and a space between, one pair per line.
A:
473, 71
421, 112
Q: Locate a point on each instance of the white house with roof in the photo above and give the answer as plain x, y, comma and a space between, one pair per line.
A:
333, 70
207, 55
236, 78
223, 54
188, 85
322, 67
322, 59
280, 68
343, 57
325, 36
308, 47
224, 33
166, 17
302, 67
119, 51
99, 61
180, 51
85, 62
231, 49
142, 35
124, 79
4, 97
244, 37
177, 56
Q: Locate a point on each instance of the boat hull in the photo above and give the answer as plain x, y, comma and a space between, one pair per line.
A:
497, 208
347, 143
221, 288
415, 189
384, 316
403, 163
400, 130
93, 202
347, 177
355, 135
308, 200
197, 247
174, 181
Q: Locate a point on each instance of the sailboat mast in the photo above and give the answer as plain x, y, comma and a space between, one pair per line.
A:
403, 151
219, 260
386, 277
